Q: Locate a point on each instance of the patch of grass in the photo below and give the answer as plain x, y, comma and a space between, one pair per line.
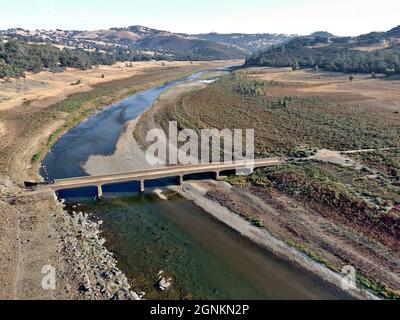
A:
52, 138
238, 181
362, 280
257, 223
376, 287
387, 162
302, 152
311, 254
36, 158
335, 192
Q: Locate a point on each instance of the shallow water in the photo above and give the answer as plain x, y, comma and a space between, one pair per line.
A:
206, 259
99, 134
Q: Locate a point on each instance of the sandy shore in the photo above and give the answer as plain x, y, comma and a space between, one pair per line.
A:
128, 156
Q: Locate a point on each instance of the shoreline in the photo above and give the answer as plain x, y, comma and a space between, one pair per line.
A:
121, 161
62, 129
47, 234
264, 239
95, 269
127, 157
194, 192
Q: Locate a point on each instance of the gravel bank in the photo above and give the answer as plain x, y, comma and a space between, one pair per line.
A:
94, 267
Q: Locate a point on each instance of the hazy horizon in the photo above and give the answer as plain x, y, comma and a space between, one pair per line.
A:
344, 17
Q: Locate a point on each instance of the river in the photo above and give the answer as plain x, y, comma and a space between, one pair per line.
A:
205, 259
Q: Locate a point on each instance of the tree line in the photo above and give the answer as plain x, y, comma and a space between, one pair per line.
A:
385, 61
18, 56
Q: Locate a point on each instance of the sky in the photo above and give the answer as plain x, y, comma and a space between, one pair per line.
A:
341, 17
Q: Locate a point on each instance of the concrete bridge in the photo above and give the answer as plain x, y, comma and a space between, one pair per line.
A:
149, 174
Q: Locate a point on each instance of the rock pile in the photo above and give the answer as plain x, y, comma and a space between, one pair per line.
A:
94, 266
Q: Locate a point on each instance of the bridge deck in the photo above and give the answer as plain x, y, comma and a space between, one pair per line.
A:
151, 174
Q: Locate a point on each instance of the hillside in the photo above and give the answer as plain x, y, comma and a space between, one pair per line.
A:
148, 41
323, 34
249, 42
234, 45
375, 52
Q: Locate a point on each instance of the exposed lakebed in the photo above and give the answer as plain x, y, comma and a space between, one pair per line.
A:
205, 259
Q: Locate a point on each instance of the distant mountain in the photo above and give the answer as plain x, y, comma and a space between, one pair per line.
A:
249, 42
375, 52
181, 46
215, 45
395, 32
372, 37
176, 45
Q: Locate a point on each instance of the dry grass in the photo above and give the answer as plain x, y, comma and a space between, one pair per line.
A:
374, 47
344, 215
286, 117
54, 87
376, 94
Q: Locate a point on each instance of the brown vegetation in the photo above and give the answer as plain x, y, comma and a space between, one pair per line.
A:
338, 215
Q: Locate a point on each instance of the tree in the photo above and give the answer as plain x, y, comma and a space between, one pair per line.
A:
295, 65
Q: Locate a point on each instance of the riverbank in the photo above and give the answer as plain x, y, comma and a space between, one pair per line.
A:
36, 231
48, 238
30, 129
130, 156
197, 192
336, 210
126, 158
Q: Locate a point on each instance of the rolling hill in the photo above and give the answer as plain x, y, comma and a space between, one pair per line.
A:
178, 46
375, 52
249, 42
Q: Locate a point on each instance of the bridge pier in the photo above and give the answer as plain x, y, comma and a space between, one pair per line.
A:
142, 186
217, 176
99, 192
180, 180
